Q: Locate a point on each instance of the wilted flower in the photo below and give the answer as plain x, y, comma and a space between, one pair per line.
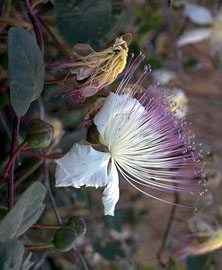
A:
90, 71
140, 139
203, 16
201, 243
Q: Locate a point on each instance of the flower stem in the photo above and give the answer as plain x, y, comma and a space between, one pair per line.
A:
46, 226
167, 230
58, 43
39, 246
40, 155
12, 159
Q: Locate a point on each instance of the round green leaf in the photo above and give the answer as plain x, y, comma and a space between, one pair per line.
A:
82, 21
26, 70
11, 254
25, 213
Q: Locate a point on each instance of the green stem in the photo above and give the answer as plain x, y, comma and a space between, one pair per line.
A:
39, 246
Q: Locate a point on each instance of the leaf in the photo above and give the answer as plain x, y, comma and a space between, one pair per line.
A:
25, 213
82, 21
26, 70
11, 254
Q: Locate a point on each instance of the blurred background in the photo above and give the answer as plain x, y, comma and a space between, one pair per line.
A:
182, 41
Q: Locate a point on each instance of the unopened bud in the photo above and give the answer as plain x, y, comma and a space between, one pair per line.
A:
78, 224
57, 126
64, 240
38, 133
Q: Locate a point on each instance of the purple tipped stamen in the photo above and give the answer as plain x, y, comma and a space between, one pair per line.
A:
154, 149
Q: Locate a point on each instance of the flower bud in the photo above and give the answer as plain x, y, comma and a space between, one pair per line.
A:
38, 133
64, 240
57, 126
78, 224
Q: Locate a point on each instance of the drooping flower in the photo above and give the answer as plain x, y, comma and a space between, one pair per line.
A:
201, 242
139, 139
211, 28
90, 71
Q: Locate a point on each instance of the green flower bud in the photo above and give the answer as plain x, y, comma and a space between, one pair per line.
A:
78, 224
38, 133
64, 239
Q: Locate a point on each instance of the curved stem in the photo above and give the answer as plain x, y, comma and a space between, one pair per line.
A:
12, 159
40, 155
167, 230
46, 226
58, 43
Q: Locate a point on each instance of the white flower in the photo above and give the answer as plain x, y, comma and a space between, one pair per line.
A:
203, 16
84, 165
194, 36
198, 14
141, 140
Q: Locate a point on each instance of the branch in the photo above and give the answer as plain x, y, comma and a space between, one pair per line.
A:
40, 155
167, 230
58, 43
36, 25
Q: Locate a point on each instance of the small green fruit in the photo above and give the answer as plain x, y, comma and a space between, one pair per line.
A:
64, 240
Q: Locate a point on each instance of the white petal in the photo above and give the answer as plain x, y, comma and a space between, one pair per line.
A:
111, 192
198, 14
193, 36
113, 106
82, 165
